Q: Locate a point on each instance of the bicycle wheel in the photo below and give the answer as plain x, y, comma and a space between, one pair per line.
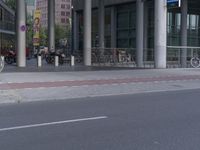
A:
1, 63
195, 62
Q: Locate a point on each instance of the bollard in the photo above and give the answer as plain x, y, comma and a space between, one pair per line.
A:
39, 61
56, 61
1, 63
3, 58
72, 60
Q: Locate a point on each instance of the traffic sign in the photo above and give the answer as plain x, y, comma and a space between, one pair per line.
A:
23, 28
174, 3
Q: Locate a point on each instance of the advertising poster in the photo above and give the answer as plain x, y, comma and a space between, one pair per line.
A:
36, 28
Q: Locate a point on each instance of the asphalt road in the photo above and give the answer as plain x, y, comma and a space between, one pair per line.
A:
151, 121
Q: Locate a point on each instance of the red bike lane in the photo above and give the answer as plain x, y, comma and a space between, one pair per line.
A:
32, 85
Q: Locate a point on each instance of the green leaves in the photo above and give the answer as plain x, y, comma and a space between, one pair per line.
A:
11, 4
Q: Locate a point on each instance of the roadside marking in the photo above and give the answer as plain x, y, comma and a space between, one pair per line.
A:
52, 123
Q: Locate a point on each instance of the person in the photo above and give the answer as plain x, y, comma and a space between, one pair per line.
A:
36, 25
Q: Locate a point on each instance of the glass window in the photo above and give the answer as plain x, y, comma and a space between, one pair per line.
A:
123, 34
123, 20
123, 43
126, 26
1, 14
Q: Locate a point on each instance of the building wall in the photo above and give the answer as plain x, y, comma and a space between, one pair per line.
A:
7, 27
30, 7
78, 4
126, 25
62, 13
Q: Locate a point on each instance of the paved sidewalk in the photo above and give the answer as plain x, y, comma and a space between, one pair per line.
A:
37, 86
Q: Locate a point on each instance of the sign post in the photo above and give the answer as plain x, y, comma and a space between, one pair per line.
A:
174, 3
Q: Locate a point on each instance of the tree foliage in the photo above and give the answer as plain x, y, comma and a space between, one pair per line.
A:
11, 4
43, 36
60, 33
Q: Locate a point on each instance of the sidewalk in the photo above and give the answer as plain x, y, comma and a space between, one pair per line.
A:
38, 86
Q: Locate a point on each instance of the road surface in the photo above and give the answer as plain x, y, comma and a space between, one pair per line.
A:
150, 121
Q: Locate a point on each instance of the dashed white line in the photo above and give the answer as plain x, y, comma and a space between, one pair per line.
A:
52, 123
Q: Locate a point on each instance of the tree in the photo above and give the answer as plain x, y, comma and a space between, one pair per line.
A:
29, 31
11, 4
60, 33
43, 36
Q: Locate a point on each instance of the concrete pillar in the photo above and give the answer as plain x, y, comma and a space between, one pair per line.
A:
51, 25
101, 15
113, 27
87, 37
21, 33
184, 10
160, 33
139, 32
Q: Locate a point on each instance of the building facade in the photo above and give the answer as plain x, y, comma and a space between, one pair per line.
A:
30, 7
7, 27
149, 27
62, 12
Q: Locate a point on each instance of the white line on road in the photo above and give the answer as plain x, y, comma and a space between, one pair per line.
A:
52, 123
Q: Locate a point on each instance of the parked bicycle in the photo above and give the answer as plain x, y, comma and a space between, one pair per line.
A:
1, 63
50, 57
195, 62
10, 57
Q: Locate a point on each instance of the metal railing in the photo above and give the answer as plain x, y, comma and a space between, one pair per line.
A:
113, 56
180, 56
177, 57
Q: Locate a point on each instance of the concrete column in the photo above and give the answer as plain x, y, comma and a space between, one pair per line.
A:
87, 37
21, 33
101, 15
113, 27
160, 40
51, 25
184, 10
139, 32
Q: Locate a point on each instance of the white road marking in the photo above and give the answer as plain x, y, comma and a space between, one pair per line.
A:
52, 123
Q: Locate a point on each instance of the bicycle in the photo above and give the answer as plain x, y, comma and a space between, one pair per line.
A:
195, 62
1, 63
